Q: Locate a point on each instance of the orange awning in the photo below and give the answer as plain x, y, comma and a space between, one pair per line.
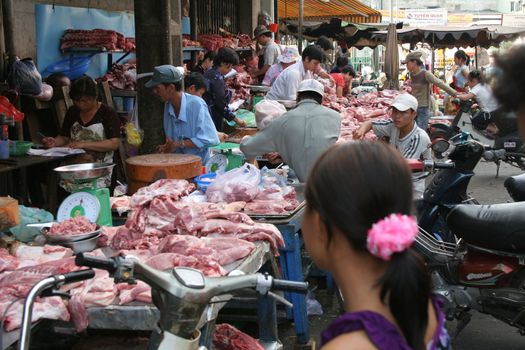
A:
348, 10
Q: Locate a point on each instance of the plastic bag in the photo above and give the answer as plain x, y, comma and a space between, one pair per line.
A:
240, 184
9, 216
30, 216
133, 132
25, 78
267, 111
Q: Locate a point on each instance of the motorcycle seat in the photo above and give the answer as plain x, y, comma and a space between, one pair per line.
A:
515, 186
496, 226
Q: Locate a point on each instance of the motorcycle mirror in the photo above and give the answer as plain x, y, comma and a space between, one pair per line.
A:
440, 146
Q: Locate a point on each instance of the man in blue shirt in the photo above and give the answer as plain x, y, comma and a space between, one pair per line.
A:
188, 126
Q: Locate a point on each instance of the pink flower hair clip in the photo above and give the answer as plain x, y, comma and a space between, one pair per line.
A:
390, 235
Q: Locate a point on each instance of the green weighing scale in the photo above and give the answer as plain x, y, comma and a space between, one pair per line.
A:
86, 198
224, 157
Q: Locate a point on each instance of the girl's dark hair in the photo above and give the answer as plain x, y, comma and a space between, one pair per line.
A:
348, 70
82, 87
312, 52
476, 74
460, 54
353, 201
210, 55
226, 55
197, 80
509, 82
341, 62
324, 43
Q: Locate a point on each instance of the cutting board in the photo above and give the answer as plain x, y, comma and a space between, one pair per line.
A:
146, 169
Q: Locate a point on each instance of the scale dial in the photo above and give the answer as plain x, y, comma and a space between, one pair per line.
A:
79, 204
217, 164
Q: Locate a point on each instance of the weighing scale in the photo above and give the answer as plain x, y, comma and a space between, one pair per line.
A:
224, 157
87, 198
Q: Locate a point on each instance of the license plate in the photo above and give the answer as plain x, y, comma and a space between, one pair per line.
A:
509, 144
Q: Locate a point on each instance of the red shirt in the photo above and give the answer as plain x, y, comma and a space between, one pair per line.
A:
340, 81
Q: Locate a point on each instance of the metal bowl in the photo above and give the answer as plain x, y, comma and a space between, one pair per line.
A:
259, 88
59, 239
82, 246
84, 172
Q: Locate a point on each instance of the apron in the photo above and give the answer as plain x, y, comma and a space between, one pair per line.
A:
93, 132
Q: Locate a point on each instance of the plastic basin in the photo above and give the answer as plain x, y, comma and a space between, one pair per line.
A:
204, 180
72, 67
19, 148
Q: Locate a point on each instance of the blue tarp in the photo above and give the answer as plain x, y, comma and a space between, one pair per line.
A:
51, 21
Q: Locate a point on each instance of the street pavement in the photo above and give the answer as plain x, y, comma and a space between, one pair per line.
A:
484, 331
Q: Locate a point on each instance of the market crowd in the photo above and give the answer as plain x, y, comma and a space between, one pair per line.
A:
359, 222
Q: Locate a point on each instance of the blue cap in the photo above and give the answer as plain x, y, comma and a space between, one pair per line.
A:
164, 74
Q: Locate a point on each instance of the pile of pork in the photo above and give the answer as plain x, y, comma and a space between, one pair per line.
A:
96, 39
158, 212
121, 76
358, 109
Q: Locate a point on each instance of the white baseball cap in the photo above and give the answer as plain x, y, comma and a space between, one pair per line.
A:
404, 102
311, 85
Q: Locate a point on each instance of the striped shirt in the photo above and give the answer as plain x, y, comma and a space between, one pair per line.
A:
415, 145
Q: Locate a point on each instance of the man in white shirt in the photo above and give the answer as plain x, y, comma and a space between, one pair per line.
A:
402, 132
286, 85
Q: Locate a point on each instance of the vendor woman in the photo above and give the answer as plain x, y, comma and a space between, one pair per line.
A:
88, 124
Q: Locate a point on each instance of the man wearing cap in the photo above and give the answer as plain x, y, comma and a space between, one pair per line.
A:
301, 134
270, 50
188, 126
402, 132
289, 56
421, 83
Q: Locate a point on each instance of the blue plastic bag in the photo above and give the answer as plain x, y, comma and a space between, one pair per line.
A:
29, 215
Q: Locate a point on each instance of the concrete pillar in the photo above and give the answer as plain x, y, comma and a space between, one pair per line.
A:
248, 21
268, 6
159, 41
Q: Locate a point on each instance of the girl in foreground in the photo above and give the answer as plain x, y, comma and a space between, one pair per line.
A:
358, 226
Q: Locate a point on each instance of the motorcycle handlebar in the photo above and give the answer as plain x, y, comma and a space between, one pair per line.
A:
290, 286
78, 276
449, 165
109, 265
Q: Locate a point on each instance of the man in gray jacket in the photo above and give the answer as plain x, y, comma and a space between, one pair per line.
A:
300, 135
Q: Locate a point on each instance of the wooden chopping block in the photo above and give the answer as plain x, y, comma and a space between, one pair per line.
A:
146, 169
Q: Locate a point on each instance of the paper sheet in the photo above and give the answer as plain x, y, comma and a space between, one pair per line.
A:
55, 151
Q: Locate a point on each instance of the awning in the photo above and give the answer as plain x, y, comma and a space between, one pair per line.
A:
347, 10
444, 36
355, 35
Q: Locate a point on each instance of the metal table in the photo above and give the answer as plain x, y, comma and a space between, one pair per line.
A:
141, 316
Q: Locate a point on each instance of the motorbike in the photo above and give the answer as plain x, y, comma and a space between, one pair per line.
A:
505, 146
475, 253
182, 296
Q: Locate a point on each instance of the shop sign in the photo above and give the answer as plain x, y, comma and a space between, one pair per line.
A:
459, 19
512, 20
419, 17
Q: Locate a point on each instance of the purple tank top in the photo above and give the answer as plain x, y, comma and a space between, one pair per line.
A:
383, 334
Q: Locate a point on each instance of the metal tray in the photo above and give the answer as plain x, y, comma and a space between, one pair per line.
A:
278, 216
259, 88
84, 172
68, 239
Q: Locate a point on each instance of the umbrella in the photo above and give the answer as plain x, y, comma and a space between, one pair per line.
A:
391, 59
